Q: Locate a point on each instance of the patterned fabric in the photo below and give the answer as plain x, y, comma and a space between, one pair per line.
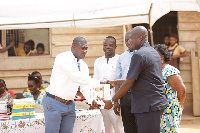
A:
8, 97
172, 115
43, 87
38, 100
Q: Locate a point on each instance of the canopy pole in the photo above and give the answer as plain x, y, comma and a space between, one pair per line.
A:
150, 27
125, 29
124, 33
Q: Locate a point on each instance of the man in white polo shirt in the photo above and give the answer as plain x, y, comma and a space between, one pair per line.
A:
105, 69
68, 73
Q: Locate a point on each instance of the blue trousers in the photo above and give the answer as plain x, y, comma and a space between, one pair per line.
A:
59, 117
149, 122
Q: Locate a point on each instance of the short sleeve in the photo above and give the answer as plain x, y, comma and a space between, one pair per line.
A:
27, 94
10, 100
172, 71
181, 49
96, 74
137, 63
118, 73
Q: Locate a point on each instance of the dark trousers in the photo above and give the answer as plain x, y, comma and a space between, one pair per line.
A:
149, 122
128, 118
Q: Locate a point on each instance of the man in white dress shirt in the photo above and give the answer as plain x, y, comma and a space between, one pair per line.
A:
68, 73
104, 69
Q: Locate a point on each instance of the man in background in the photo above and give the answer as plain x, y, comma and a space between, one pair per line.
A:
104, 69
123, 64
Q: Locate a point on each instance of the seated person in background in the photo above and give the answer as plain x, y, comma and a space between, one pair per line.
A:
166, 40
27, 49
5, 95
32, 43
6, 48
35, 93
40, 50
176, 51
43, 83
11, 92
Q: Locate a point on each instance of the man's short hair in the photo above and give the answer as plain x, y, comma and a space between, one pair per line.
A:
78, 39
111, 38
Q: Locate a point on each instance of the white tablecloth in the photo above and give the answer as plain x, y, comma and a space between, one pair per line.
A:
87, 121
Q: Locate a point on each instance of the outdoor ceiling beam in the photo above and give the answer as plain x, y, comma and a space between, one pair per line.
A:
150, 27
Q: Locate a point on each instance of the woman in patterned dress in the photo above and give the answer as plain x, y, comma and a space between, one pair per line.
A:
34, 87
175, 90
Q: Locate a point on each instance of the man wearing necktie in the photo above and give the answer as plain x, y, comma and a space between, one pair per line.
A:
68, 73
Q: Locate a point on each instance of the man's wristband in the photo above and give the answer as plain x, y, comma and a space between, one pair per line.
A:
113, 102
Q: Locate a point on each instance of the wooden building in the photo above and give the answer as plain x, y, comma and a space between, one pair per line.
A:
14, 69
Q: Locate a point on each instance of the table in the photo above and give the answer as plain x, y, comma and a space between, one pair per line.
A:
87, 121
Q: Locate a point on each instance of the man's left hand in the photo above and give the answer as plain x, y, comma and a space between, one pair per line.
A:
108, 104
116, 108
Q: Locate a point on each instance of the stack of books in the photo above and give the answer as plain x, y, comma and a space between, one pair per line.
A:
23, 109
3, 111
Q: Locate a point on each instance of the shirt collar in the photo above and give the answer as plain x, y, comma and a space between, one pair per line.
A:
110, 58
74, 56
130, 51
173, 46
146, 44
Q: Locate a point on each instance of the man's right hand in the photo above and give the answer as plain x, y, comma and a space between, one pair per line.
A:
116, 108
112, 83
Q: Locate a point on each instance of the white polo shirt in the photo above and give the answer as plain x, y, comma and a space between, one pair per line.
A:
104, 70
66, 77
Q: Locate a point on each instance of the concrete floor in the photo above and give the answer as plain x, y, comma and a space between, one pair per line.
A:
189, 124
190, 128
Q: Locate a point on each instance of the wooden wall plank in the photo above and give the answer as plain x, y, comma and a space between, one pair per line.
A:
188, 45
23, 73
116, 29
195, 84
188, 16
93, 50
188, 86
90, 38
185, 60
189, 35
186, 76
185, 67
189, 26
20, 63
20, 82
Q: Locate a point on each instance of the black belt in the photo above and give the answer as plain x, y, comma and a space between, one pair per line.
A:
58, 98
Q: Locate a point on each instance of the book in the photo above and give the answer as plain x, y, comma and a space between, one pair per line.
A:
99, 93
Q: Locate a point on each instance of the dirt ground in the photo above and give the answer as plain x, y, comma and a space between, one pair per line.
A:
190, 128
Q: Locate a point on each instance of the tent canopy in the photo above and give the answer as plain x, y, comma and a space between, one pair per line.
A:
23, 14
